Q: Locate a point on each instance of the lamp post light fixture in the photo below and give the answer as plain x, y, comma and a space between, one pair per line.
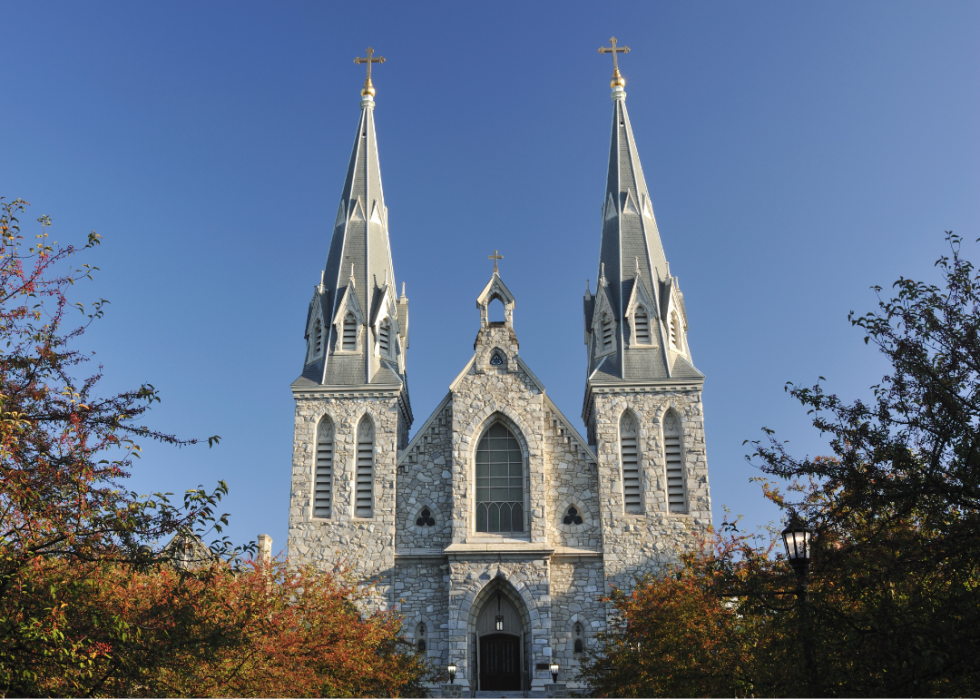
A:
499, 621
451, 669
554, 672
798, 542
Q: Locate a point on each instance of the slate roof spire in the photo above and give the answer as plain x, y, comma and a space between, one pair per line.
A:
633, 273
358, 280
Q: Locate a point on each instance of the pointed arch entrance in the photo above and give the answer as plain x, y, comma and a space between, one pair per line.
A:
500, 627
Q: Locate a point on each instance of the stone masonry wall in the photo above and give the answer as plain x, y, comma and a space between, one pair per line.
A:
572, 480
638, 544
364, 546
577, 589
424, 481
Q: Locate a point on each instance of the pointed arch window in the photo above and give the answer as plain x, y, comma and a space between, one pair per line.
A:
673, 455
323, 477
579, 633
350, 332
499, 482
629, 453
421, 642
641, 324
607, 332
364, 485
384, 337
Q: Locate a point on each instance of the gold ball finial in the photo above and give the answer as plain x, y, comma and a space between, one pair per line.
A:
368, 89
617, 80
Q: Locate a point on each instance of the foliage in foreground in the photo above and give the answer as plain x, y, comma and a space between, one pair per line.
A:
263, 630
86, 607
893, 606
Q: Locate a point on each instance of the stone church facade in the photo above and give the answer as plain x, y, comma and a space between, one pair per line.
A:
497, 529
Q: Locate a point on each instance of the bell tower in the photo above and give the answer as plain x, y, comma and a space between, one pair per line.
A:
642, 403
352, 406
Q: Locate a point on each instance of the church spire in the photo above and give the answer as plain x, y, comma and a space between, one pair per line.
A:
363, 321
635, 322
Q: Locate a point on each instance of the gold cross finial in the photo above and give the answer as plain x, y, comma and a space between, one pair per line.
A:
368, 88
617, 80
495, 256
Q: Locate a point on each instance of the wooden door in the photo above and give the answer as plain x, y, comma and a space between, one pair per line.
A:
500, 663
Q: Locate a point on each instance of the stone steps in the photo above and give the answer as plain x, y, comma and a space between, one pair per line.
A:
504, 695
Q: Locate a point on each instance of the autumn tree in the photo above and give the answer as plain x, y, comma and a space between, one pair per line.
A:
893, 599
90, 604
65, 452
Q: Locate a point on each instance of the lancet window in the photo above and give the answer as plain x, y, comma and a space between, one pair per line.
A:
499, 482
350, 332
673, 455
364, 486
323, 477
607, 332
629, 453
579, 634
641, 326
317, 338
384, 337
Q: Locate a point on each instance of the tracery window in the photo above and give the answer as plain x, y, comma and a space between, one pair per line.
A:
420, 639
350, 332
676, 492
425, 518
364, 486
579, 634
495, 359
629, 453
323, 477
499, 482
572, 516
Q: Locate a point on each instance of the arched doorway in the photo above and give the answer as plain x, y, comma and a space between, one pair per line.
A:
500, 634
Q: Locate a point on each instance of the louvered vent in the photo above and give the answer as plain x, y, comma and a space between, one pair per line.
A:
383, 337
607, 332
364, 503
676, 499
631, 465
323, 489
350, 332
318, 335
642, 324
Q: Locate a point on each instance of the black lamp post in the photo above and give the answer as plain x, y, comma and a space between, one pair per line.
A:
554, 672
798, 540
451, 669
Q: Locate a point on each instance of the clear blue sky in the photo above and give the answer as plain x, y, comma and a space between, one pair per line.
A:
796, 155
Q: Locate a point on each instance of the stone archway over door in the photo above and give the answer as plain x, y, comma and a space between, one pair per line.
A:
499, 630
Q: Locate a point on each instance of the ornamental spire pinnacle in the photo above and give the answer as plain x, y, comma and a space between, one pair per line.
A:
618, 81
368, 90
